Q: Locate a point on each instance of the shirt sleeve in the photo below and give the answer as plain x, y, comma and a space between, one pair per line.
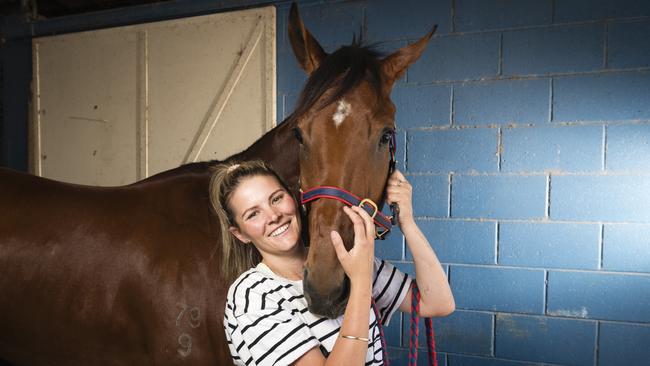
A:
389, 287
266, 335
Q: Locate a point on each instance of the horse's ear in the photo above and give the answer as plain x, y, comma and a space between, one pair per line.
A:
307, 50
394, 65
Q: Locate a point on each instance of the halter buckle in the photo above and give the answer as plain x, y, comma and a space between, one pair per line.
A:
372, 204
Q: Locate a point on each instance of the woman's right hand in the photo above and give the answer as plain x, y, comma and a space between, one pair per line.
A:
358, 261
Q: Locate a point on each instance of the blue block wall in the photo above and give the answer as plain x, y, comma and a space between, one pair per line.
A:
525, 130
526, 135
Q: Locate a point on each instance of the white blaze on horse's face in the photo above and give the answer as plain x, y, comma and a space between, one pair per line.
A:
342, 110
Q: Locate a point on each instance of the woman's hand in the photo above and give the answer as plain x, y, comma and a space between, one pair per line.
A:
400, 192
357, 263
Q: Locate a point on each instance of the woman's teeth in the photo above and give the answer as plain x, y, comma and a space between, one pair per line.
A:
280, 230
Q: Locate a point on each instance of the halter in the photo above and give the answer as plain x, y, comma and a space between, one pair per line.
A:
383, 223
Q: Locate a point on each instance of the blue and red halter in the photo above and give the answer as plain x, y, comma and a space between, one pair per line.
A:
383, 223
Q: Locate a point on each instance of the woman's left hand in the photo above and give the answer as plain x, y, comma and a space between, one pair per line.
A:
400, 191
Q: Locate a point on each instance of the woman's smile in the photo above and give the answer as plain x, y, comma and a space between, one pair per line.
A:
280, 230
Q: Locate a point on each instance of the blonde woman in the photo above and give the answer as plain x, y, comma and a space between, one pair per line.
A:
266, 319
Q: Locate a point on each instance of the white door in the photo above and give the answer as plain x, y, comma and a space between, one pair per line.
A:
117, 105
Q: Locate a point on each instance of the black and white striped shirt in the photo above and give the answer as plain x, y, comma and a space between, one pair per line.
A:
267, 321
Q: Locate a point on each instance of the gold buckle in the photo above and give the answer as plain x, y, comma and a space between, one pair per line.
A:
371, 203
380, 235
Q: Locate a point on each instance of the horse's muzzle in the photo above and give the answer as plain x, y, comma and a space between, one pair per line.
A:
331, 304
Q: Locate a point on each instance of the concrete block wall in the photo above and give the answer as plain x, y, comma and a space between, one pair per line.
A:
525, 130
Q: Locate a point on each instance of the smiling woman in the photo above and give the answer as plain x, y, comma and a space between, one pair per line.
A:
267, 320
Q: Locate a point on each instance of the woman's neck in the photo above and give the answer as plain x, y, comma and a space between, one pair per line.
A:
289, 267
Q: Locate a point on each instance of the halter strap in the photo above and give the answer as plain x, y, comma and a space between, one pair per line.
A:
383, 223
350, 199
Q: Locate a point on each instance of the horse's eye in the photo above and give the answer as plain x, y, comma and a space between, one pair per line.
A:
386, 137
298, 134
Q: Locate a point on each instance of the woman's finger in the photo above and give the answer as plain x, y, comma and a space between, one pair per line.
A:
357, 222
341, 252
369, 224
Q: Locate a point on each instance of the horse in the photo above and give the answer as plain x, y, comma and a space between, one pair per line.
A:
130, 275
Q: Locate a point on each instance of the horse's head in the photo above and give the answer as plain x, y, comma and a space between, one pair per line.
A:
345, 125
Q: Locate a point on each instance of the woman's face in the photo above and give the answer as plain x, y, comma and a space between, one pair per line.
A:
265, 215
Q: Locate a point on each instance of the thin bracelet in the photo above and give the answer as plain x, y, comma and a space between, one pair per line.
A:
355, 338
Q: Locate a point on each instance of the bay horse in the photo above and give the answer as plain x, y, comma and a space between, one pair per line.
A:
130, 275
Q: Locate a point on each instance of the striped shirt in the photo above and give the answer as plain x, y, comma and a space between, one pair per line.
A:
267, 321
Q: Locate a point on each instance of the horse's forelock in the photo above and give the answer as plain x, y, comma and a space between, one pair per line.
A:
340, 72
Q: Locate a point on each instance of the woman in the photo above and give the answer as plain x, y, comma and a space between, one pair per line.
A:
266, 319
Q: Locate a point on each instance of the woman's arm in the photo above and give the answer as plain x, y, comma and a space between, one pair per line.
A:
436, 297
358, 265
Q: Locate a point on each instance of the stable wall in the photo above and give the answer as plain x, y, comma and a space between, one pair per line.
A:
525, 130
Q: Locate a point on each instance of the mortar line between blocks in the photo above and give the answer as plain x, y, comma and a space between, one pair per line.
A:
452, 112
603, 158
547, 209
546, 272
449, 188
601, 241
497, 235
494, 335
499, 148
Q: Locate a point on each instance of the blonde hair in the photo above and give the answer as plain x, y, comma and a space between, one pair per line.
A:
237, 257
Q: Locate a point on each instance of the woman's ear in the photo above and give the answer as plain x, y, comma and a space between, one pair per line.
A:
239, 235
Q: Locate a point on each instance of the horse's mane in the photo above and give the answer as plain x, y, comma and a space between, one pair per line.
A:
342, 70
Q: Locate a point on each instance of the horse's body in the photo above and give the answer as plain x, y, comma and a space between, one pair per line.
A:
130, 275
120, 275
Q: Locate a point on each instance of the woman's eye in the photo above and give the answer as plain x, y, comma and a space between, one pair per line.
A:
277, 198
251, 215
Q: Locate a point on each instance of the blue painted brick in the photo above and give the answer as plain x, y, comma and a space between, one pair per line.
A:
604, 296
563, 148
399, 357
290, 77
552, 50
498, 289
501, 196
333, 24
392, 248
458, 360
393, 331
621, 198
289, 106
627, 45
469, 56
626, 144
623, 344
626, 247
576, 10
477, 15
461, 332
422, 106
453, 150
543, 339
467, 242
501, 102
549, 245
602, 97
430, 195
412, 19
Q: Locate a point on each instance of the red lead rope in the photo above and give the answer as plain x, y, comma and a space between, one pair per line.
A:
413, 332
